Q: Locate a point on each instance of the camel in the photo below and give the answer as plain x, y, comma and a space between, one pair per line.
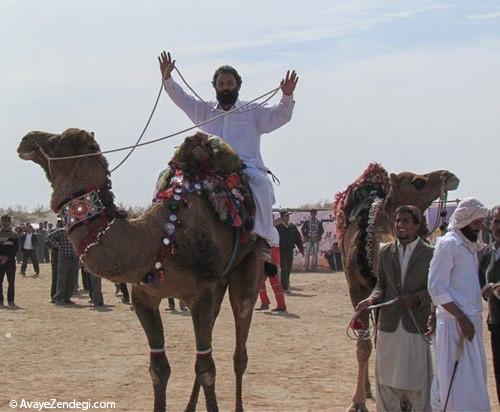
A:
364, 215
126, 250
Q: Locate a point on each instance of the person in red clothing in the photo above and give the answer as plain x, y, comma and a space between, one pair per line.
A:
275, 284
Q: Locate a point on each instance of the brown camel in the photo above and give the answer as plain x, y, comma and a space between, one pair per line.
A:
128, 249
364, 215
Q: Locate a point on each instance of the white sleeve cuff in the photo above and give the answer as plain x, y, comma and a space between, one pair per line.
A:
287, 99
442, 299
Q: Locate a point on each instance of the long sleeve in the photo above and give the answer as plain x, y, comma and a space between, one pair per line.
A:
270, 118
423, 297
483, 266
378, 292
53, 238
195, 109
439, 274
298, 240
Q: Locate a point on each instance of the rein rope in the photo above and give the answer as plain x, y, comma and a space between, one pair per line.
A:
441, 212
138, 143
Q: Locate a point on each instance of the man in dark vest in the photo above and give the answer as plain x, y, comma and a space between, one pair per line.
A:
489, 276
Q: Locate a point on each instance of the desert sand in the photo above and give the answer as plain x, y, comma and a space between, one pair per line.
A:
298, 361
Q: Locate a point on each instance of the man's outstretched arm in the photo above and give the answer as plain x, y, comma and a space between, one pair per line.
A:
195, 109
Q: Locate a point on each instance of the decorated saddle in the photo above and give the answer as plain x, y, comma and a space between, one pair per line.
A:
208, 166
371, 187
363, 202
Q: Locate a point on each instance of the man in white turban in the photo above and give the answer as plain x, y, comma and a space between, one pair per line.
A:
455, 290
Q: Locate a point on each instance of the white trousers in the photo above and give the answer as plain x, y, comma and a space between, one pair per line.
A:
389, 399
469, 391
263, 195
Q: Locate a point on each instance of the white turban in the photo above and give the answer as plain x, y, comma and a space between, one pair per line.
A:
468, 210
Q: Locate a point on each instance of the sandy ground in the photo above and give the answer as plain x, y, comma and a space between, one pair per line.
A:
299, 361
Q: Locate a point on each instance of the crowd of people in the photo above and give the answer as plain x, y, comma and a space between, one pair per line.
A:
23, 244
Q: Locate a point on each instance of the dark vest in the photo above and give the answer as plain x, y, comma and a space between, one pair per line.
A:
492, 273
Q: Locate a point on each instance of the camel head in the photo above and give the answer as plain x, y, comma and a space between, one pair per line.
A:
66, 176
420, 190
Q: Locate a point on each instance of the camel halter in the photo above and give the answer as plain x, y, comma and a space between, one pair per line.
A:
138, 143
443, 200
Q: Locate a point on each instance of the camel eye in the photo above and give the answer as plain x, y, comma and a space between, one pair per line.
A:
418, 183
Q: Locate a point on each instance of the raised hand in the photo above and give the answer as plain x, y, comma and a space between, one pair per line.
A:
166, 65
289, 83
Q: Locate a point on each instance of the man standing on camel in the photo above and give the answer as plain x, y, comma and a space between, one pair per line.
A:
242, 129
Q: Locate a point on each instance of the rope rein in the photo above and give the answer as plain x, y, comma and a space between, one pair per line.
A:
138, 143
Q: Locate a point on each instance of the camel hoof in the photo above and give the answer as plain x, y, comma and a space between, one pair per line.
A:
357, 407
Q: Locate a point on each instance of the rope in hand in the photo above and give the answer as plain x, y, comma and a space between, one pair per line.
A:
357, 330
270, 93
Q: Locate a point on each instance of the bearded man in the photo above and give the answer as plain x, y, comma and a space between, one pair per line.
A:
455, 290
242, 129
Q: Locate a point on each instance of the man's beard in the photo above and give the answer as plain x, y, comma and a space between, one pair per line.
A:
470, 234
227, 97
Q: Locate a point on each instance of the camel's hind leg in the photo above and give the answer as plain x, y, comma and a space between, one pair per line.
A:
193, 399
146, 308
243, 291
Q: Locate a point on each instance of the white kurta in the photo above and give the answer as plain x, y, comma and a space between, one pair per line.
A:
453, 277
242, 130
403, 359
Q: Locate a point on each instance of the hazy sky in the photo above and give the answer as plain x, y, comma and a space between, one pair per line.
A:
414, 85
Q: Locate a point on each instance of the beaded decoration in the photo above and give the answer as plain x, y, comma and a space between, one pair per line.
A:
80, 210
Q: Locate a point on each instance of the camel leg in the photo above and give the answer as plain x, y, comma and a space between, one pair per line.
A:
193, 399
363, 351
146, 308
202, 315
243, 291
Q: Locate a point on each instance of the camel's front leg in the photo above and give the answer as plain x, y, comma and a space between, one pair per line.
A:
202, 314
243, 291
146, 308
218, 297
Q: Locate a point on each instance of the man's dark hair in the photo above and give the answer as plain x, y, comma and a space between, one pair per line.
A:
413, 211
230, 70
6, 217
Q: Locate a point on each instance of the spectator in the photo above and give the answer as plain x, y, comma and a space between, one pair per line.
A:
455, 290
54, 261
312, 230
9, 244
67, 267
29, 242
489, 275
289, 239
403, 367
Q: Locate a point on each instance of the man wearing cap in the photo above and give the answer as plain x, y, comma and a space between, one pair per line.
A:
289, 239
403, 368
455, 290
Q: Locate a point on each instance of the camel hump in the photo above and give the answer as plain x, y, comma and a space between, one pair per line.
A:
209, 166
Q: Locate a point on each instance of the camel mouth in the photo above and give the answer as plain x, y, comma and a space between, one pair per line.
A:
29, 155
452, 183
